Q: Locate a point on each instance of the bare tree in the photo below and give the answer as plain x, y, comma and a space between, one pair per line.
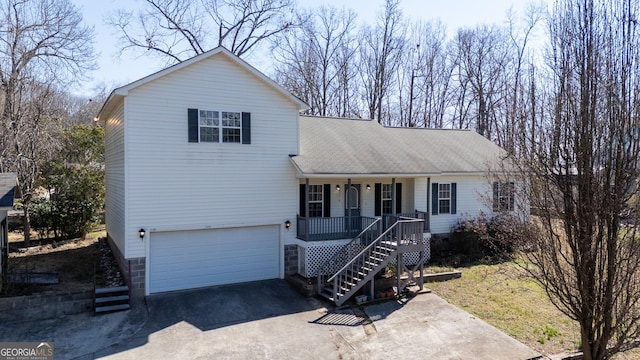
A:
380, 51
481, 57
178, 30
43, 46
311, 59
428, 78
514, 125
584, 170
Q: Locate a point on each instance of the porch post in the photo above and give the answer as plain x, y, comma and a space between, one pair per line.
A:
393, 196
427, 218
348, 205
306, 207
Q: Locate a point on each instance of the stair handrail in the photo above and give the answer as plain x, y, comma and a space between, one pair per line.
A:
366, 253
365, 250
346, 247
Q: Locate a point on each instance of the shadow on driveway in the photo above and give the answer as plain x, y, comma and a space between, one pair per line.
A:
216, 307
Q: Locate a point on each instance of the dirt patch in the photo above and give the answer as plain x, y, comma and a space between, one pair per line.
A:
75, 261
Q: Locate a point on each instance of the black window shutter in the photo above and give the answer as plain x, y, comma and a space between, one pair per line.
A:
246, 128
434, 199
512, 195
326, 192
453, 198
496, 205
398, 198
378, 200
303, 200
192, 119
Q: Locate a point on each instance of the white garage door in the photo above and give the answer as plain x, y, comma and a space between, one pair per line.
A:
190, 259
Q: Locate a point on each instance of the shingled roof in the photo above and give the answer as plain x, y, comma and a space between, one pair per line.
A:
7, 189
334, 146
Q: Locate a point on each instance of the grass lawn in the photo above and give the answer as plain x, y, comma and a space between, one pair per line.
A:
502, 296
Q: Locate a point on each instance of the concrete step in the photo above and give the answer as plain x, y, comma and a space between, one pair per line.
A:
119, 307
107, 299
109, 290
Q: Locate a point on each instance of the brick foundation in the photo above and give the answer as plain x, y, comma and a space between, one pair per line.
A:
290, 259
135, 280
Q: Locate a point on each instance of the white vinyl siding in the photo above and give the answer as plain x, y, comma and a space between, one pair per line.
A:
173, 184
115, 177
367, 197
472, 197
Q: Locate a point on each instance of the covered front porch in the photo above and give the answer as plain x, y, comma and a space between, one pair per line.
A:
343, 209
335, 209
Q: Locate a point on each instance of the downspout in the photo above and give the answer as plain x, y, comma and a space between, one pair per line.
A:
348, 205
427, 218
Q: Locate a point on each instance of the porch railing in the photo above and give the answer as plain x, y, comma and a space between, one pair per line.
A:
331, 228
390, 219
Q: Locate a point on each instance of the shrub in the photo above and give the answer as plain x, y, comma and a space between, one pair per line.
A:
481, 236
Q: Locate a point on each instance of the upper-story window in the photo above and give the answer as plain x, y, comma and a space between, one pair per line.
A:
209, 126
220, 125
214, 126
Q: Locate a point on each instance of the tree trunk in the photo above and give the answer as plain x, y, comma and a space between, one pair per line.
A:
26, 221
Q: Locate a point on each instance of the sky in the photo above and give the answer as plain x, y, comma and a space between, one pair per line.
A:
115, 70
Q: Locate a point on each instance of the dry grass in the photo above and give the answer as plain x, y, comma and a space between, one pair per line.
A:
501, 295
72, 259
504, 297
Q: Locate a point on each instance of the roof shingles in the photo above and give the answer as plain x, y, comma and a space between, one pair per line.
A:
7, 189
333, 146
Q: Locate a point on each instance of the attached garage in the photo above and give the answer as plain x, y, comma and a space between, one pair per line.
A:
190, 259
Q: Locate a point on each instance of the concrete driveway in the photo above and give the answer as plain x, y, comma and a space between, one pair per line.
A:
269, 320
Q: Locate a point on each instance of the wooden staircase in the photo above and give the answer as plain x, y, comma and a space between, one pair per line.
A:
358, 262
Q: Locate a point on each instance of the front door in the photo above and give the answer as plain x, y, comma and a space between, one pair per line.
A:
353, 221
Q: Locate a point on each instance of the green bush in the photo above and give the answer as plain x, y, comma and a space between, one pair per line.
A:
76, 200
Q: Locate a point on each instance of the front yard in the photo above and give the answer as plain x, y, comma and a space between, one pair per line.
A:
504, 297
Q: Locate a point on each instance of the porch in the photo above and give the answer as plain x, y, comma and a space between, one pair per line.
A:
348, 227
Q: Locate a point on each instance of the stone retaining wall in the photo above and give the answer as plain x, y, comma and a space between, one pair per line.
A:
44, 306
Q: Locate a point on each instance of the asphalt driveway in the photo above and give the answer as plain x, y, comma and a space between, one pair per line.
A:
270, 320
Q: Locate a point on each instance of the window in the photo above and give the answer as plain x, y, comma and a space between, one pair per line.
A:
208, 126
231, 127
220, 125
503, 196
444, 198
316, 201
387, 199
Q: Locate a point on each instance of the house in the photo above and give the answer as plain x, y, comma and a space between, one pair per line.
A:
213, 177
7, 192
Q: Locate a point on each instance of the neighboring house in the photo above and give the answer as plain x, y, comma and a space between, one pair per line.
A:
213, 177
7, 192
